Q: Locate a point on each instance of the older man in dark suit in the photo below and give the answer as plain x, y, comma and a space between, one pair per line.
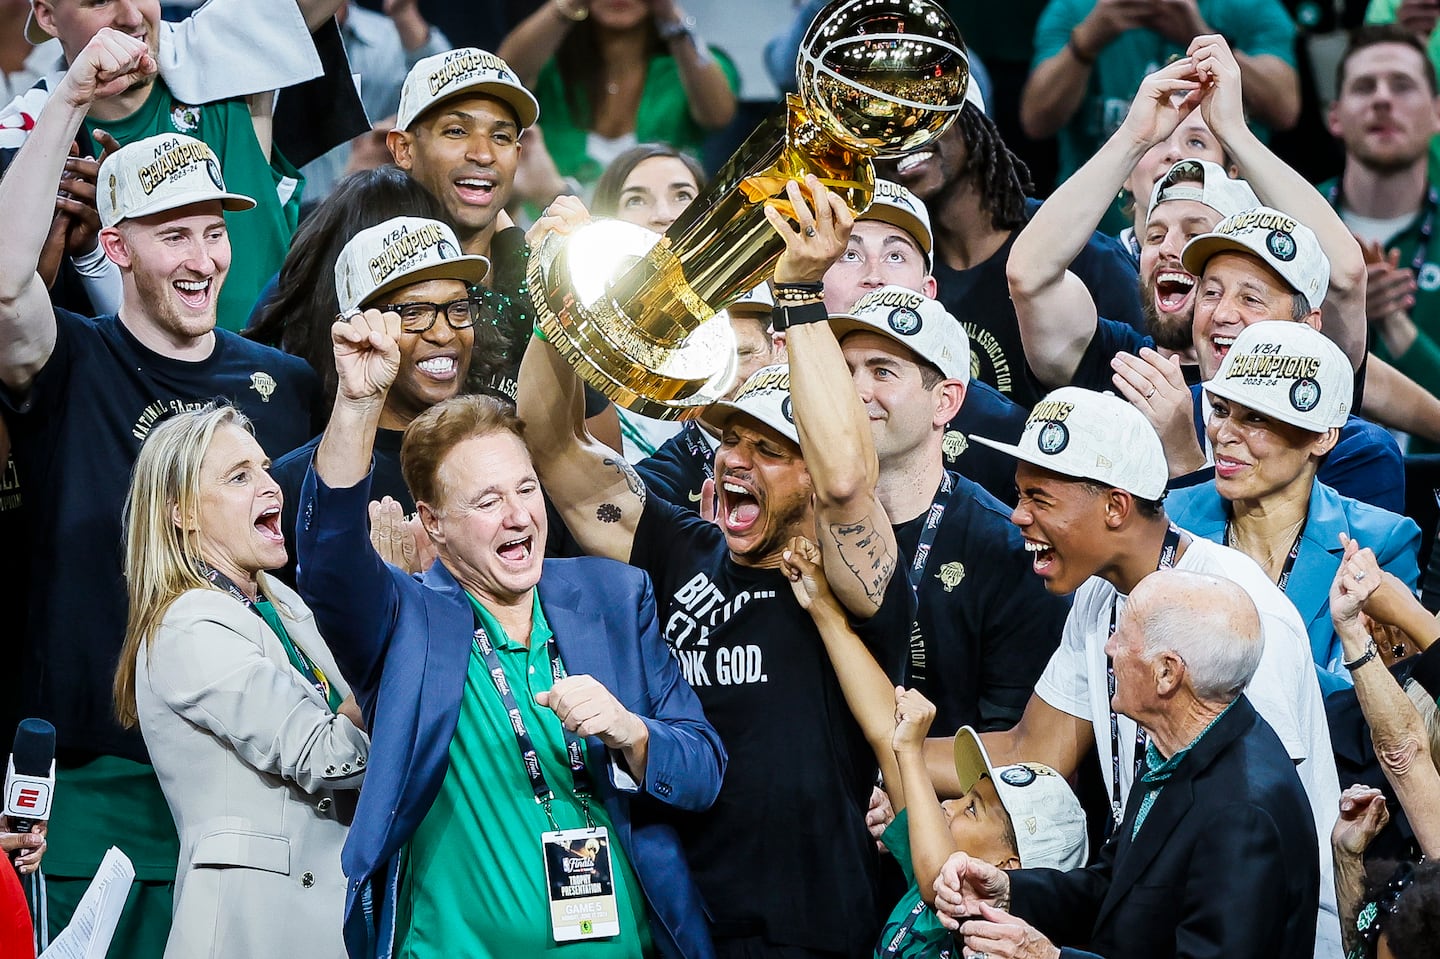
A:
1216, 853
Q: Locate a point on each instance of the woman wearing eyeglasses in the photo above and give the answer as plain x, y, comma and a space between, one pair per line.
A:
413, 267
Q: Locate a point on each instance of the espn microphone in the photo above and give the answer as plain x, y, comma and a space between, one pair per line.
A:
30, 777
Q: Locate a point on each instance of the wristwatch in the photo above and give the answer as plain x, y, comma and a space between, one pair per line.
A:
675, 29
1371, 651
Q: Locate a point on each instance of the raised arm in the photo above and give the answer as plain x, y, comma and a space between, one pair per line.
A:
535, 39
1053, 306
1280, 186
111, 62
1401, 743
867, 690
340, 575
1057, 84
708, 93
599, 495
854, 533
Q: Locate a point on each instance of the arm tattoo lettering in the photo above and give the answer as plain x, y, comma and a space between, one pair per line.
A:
866, 553
633, 482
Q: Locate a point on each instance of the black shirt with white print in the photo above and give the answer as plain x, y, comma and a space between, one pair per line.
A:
784, 852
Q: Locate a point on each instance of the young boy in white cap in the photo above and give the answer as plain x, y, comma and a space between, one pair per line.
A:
81, 394
1092, 475
1019, 815
411, 266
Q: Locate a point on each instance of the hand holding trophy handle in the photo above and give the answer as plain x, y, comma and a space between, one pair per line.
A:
642, 319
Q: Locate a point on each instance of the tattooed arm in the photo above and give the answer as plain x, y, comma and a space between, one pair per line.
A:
853, 531
599, 495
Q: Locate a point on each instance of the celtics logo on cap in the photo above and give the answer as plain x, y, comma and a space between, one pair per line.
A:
1017, 776
904, 321
785, 410
1281, 245
1305, 394
1053, 437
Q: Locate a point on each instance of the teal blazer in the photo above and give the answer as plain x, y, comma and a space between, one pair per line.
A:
1394, 538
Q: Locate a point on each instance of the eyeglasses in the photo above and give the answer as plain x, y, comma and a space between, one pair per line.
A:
419, 317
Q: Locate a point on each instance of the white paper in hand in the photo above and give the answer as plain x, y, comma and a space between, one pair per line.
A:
93, 925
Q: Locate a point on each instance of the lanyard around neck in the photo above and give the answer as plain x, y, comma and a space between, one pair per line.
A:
1169, 551
529, 755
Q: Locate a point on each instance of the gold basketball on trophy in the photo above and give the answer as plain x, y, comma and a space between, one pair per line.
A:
882, 78
641, 318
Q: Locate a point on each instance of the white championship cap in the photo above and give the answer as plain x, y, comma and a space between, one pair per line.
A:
1282, 242
1207, 183
764, 397
399, 252
1047, 819
465, 70
896, 205
1289, 371
756, 300
1094, 436
161, 173
920, 324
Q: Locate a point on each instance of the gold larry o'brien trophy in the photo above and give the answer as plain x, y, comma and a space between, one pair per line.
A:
640, 317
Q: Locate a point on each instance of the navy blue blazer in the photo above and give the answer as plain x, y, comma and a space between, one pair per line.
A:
1225, 863
1394, 538
404, 642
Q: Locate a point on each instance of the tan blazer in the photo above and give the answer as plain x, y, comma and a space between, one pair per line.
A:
250, 758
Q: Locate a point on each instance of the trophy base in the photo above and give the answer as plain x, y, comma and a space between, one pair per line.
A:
570, 282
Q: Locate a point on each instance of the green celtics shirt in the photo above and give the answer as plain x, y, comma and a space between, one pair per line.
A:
1255, 27
1421, 253
912, 931
259, 238
473, 876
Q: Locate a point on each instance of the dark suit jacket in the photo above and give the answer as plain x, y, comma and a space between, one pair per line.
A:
406, 641
1225, 864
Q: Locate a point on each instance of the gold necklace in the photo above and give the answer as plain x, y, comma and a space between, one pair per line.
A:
1286, 542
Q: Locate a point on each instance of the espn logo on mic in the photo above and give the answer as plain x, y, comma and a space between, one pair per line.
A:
27, 798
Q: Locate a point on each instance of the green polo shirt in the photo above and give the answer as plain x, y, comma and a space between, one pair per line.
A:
1421, 362
473, 882
259, 238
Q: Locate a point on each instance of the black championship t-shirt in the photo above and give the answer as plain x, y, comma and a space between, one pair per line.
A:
784, 852
986, 625
980, 299
76, 434
385, 480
